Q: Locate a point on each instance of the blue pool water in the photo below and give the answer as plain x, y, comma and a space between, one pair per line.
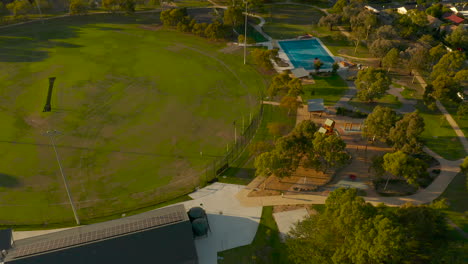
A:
302, 53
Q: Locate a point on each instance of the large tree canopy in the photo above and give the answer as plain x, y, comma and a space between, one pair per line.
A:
401, 164
406, 133
350, 230
372, 83
379, 122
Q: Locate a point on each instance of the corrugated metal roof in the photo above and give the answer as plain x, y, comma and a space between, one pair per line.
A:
315, 105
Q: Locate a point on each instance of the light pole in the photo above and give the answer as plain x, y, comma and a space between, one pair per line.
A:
245, 33
40, 12
235, 133
51, 134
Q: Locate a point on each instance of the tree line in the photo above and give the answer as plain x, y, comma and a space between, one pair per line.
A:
349, 230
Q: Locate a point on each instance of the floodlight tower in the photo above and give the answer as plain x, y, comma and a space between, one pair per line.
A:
52, 134
245, 32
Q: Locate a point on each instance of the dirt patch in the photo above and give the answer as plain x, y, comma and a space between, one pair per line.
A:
285, 208
151, 27
230, 48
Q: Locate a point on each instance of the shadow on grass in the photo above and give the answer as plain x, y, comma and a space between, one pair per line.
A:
8, 181
26, 43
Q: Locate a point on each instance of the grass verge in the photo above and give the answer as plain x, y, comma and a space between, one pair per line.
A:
387, 100
330, 88
265, 248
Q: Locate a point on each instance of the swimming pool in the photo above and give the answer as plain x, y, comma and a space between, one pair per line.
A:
302, 53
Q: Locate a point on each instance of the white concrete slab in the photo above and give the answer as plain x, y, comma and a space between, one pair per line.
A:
352, 184
286, 220
17, 235
232, 225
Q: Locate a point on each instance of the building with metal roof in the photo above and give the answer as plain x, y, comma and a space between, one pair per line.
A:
159, 236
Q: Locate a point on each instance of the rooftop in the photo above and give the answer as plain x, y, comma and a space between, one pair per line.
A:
164, 235
315, 105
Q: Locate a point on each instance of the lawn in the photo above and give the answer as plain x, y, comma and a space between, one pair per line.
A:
244, 170
438, 135
265, 248
387, 100
461, 121
135, 105
289, 21
457, 195
330, 88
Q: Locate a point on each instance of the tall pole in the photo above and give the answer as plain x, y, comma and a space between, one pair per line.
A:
245, 34
52, 134
40, 12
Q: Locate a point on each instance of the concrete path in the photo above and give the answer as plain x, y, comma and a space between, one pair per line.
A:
270, 102
407, 105
286, 220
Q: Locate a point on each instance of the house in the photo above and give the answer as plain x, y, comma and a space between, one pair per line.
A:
434, 21
403, 10
160, 236
453, 18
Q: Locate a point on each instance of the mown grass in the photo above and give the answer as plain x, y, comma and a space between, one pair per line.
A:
330, 88
135, 107
457, 195
265, 248
438, 135
289, 21
387, 100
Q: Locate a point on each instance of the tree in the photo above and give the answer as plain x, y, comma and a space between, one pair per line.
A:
458, 38
428, 97
328, 151
419, 18
256, 148
241, 39
462, 110
437, 10
379, 122
282, 84
339, 5
427, 40
233, 16
317, 64
391, 59
446, 87
449, 64
335, 67
418, 58
172, 17
386, 32
372, 83
263, 57
406, 133
380, 47
401, 164
128, 6
330, 20
277, 129
364, 21
214, 31
464, 166
19, 7
199, 29
111, 5
78, 7
436, 53
290, 103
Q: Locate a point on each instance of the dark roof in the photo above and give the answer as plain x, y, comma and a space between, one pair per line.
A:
5, 239
159, 236
315, 105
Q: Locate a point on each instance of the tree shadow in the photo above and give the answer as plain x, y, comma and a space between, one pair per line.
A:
8, 181
29, 42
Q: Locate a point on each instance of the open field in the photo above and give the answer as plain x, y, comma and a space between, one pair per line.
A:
289, 21
133, 111
457, 195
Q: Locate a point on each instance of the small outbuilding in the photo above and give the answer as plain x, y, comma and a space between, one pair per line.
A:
315, 106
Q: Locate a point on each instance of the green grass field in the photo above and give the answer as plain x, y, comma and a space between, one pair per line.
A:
331, 89
289, 21
439, 136
135, 105
457, 195
387, 100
